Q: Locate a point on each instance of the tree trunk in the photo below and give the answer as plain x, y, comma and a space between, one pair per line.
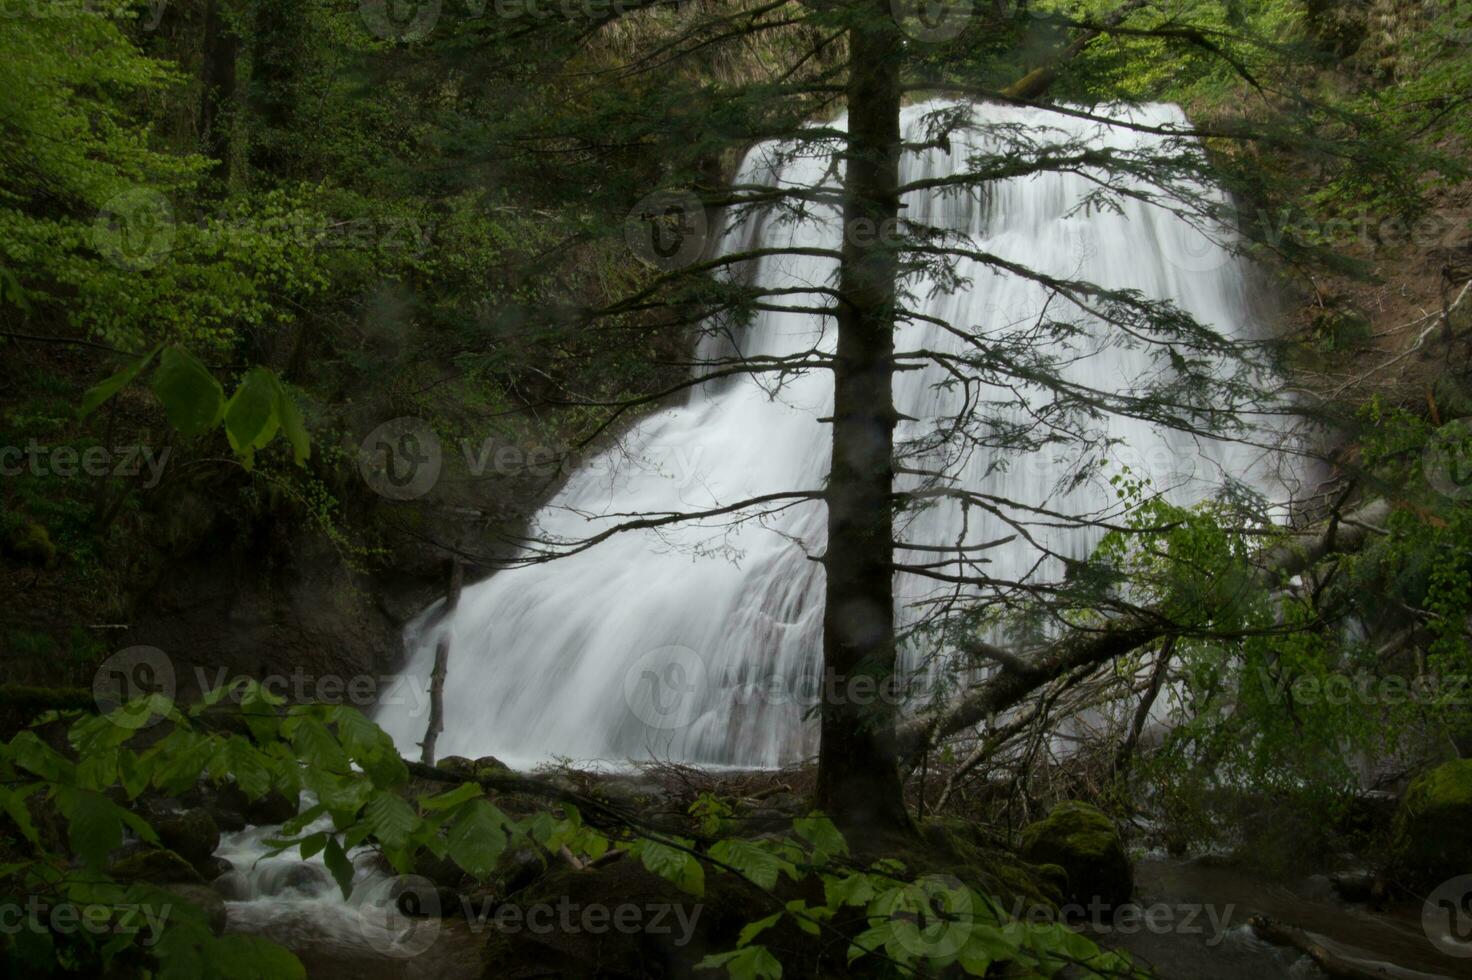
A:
217, 76
858, 772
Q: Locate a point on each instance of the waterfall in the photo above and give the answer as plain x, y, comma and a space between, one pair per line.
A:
702, 643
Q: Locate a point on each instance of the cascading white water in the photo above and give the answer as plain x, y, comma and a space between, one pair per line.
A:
701, 643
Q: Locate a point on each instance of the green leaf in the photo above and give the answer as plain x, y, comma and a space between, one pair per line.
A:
756, 863
824, 837
749, 963
855, 889
446, 801
871, 940
753, 929
316, 746
337, 862
14, 805
477, 839
192, 398
672, 864
391, 819
251, 417
292, 426
104, 390
94, 825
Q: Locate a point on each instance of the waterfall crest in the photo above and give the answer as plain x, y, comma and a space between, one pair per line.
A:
701, 643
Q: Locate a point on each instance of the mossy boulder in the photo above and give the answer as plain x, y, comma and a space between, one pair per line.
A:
1433, 827
489, 765
1083, 841
457, 764
192, 834
156, 865
31, 545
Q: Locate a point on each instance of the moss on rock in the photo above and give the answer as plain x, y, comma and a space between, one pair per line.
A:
31, 544
1433, 827
156, 865
1082, 841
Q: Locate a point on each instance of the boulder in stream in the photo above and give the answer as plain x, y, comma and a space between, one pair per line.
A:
1083, 841
1433, 828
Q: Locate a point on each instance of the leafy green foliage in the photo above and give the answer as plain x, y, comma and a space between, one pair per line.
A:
195, 403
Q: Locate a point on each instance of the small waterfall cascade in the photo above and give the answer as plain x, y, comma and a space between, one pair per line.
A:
701, 642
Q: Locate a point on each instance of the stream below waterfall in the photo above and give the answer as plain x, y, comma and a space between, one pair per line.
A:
1201, 911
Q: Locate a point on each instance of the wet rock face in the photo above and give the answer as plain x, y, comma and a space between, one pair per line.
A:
192, 834
1082, 841
1433, 827
157, 866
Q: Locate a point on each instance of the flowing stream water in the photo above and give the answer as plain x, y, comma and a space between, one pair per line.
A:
701, 643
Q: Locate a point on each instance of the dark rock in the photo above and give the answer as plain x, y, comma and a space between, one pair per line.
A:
442, 871
305, 878
1082, 841
457, 764
157, 866
1433, 828
272, 808
666, 932
206, 900
192, 834
489, 765
233, 886
517, 868
213, 867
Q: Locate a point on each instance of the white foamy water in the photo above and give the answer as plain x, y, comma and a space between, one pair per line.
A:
702, 642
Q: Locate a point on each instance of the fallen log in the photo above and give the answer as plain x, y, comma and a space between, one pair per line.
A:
1018, 676
1333, 964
